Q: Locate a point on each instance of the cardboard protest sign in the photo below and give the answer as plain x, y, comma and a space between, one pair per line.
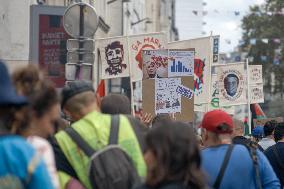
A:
181, 63
255, 74
214, 104
202, 63
155, 63
137, 43
261, 122
232, 84
169, 95
114, 57
256, 93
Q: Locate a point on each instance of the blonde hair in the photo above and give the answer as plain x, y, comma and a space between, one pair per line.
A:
76, 103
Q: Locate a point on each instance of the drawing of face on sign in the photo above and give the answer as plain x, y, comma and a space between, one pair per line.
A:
231, 83
199, 66
115, 55
155, 63
137, 44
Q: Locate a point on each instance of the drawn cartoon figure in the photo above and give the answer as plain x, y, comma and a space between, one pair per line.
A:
231, 83
139, 58
114, 55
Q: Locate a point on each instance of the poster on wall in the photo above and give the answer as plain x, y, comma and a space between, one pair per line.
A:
138, 43
155, 64
114, 57
181, 63
214, 104
232, 84
52, 48
255, 74
167, 100
202, 63
256, 93
169, 95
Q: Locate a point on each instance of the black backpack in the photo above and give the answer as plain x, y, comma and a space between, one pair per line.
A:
110, 167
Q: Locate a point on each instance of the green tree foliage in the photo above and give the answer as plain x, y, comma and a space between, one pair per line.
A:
266, 22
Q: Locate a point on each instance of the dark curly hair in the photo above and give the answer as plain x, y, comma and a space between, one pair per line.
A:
175, 148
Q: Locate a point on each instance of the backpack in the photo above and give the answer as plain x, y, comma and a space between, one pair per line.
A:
110, 167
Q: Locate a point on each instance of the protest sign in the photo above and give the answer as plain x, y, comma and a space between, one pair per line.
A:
255, 74
138, 43
202, 65
232, 84
167, 95
214, 104
256, 93
114, 57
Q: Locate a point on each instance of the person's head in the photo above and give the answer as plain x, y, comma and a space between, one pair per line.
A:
217, 128
269, 127
115, 104
239, 127
279, 132
231, 83
160, 119
257, 133
151, 68
13, 112
172, 155
78, 99
43, 100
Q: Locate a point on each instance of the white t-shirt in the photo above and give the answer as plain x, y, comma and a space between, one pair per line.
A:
43, 147
266, 143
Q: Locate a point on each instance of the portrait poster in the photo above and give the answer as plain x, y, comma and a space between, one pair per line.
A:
138, 43
256, 93
167, 100
161, 95
114, 57
255, 74
155, 63
181, 63
202, 63
232, 84
214, 104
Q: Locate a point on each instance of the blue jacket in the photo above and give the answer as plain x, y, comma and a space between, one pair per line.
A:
16, 154
240, 171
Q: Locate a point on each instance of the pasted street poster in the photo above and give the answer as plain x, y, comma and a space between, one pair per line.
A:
155, 64
138, 43
167, 100
181, 63
114, 57
232, 84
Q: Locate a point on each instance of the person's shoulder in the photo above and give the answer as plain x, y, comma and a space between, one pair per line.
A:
15, 142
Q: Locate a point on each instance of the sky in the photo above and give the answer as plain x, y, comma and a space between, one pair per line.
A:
223, 18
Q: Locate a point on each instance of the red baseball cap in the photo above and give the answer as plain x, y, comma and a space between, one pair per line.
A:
217, 121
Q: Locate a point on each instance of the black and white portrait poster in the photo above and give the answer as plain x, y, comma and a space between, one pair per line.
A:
114, 57
232, 84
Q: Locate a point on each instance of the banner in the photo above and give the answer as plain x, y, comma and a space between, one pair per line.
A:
155, 64
232, 84
114, 57
214, 104
202, 62
137, 43
255, 74
261, 122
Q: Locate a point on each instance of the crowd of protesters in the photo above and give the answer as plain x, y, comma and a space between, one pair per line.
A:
76, 139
